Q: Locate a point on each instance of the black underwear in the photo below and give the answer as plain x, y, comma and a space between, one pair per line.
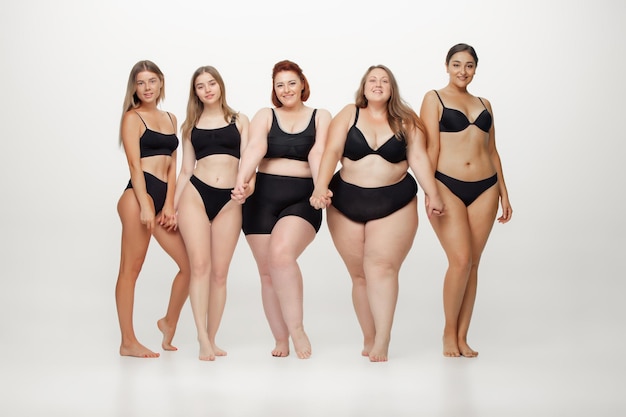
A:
214, 199
364, 204
467, 191
156, 189
277, 196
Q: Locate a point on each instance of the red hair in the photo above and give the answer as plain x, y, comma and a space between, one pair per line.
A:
287, 65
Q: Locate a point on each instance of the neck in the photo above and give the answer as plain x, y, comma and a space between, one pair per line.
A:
293, 109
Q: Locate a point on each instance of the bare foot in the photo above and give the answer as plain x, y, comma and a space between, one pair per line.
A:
168, 334
282, 349
206, 351
218, 351
367, 347
467, 351
137, 350
301, 344
379, 352
450, 347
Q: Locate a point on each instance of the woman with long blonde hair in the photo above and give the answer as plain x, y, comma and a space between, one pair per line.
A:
214, 136
146, 207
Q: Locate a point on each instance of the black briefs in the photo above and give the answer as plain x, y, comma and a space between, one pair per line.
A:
156, 189
277, 196
364, 204
467, 191
214, 199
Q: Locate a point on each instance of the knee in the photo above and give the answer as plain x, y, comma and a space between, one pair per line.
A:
461, 263
200, 268
358, 280
130, 268
381, 268
280, 258
218, 278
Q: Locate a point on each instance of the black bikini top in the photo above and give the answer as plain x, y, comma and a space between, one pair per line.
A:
356, 146
453, 120
223, 140
281, 144
153, 143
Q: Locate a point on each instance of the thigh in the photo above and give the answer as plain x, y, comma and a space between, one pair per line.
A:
290, 236
452, 229
482, 216
388, 240
172, 243
259, 245
194, 226
135, 236
349, 239
225, 231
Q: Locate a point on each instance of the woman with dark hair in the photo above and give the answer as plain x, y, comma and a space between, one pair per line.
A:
214, 136
146, 207
371, 201
285, 146
462, 147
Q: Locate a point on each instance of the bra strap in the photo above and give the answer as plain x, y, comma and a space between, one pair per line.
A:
141, 118
439, 97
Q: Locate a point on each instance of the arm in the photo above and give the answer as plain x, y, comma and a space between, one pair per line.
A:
321, 134
167, 217
131, 133
420, 164
333, 151
254, 151
507, 210
430, 115
186, 169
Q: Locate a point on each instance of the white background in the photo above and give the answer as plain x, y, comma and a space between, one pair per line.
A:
551, 283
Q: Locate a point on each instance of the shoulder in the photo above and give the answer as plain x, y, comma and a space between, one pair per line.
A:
172, 116
323, 114
348, 111
431, 97
241, 118
486, 102
131, 116
264, 113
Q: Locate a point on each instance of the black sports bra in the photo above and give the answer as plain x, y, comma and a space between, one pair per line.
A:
356, 146
453, 120
223, 140
281, 144
153, 143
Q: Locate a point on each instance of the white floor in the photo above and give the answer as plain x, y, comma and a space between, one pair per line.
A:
550, 345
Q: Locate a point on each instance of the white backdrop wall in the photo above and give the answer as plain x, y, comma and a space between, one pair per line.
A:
553, 71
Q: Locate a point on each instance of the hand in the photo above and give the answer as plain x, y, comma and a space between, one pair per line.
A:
507, 211
167, 219
434, 206
241, 192
146, 216
321, 199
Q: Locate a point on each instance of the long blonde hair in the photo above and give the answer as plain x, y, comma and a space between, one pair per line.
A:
400, 116
131, 101
195, 106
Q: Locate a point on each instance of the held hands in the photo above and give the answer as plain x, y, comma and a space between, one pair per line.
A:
434, 206
241, 192
167, 219
321, 200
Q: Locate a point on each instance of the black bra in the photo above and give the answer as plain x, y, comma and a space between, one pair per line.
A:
154, 143
281, 144
356, 147
453, 120
223, 140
